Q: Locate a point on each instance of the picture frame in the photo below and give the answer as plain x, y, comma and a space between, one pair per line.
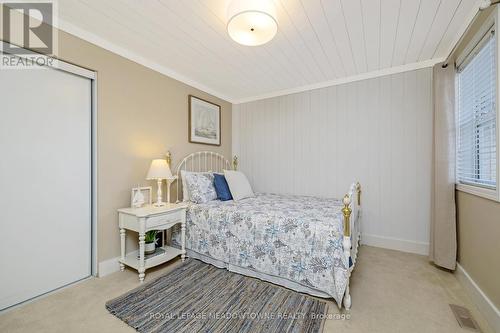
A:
147, 191
204, 122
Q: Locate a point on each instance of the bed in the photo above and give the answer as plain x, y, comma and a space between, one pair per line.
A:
308, 244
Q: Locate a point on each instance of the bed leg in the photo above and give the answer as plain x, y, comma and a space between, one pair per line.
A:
347, 253
347, 247
347, 299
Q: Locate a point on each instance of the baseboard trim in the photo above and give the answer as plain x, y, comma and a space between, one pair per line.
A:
109, 266
395, 244
483, 303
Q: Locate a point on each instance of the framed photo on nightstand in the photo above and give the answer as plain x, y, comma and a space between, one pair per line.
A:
143, 198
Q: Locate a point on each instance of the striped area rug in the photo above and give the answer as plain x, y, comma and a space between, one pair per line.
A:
197, 297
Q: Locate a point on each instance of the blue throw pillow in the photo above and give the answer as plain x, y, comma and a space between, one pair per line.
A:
221, 187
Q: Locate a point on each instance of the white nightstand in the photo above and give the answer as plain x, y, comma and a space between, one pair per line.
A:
148, 218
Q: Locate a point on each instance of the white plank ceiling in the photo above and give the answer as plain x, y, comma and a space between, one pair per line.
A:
319, 42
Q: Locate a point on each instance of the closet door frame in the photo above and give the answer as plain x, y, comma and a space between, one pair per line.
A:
61, 65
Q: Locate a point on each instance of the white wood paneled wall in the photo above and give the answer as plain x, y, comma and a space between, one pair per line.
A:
376, 131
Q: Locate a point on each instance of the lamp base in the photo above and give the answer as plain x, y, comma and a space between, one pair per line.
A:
159, 201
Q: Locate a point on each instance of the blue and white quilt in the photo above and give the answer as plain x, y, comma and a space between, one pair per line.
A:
294, 237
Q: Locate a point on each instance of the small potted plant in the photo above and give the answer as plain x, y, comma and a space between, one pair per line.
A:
150, 240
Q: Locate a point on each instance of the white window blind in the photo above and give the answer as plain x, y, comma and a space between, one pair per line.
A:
476, 97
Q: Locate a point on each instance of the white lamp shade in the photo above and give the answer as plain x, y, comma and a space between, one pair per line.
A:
253, 22
159, 169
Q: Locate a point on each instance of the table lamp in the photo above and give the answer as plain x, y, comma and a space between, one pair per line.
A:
158, 171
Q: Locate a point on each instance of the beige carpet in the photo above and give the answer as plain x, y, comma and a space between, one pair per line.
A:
391, 292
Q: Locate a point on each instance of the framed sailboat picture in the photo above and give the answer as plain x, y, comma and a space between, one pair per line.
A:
204, 122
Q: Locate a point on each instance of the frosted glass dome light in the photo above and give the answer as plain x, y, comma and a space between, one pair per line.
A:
253, 22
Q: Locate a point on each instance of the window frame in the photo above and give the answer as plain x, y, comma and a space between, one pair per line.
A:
490, 23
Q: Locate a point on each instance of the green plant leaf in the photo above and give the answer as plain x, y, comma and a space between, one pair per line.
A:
150, 236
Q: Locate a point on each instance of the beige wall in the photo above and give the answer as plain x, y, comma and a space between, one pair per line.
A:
141, 115
479, 225
479, 243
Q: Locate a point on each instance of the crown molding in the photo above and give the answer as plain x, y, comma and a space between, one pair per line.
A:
107, 45
374, 74
354, 78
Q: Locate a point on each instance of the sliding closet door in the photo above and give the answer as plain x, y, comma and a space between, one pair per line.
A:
45, 182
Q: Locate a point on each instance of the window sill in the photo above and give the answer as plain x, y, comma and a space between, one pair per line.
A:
478, 191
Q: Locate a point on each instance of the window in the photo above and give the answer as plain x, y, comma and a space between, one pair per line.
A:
477, 116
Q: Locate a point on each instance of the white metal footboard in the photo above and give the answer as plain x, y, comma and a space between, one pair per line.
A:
351, 211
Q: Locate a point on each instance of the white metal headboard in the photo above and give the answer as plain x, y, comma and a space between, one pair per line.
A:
202, 161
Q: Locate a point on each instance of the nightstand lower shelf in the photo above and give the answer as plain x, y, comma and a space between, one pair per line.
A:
131, 259
143, 220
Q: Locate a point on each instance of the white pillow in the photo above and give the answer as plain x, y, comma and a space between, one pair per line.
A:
238, 185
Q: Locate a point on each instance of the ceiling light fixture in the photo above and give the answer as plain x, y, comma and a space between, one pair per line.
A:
253, 22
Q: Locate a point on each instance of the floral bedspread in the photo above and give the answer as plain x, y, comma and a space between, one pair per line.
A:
293, 237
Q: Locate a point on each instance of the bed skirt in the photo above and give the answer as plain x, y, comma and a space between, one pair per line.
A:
262, 276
